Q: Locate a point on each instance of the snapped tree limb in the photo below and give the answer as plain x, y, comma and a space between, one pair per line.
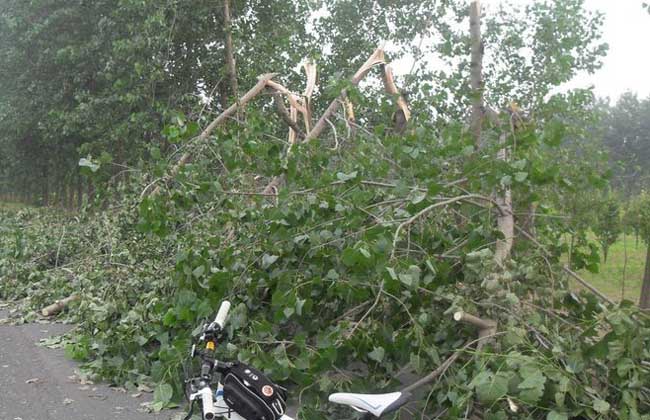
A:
311, 70
223, 117
486, 327
376, 58
403, 113
289, 119
484, 334
58, 306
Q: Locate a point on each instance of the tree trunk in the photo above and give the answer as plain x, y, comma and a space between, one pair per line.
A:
476, 70
91, 191
70, 196
644, 301
624, 266
46, 187
80, 192
230, 54
505, 224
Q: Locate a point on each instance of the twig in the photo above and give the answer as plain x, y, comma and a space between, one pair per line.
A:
374, 305
336, 137
425, 211
58, 249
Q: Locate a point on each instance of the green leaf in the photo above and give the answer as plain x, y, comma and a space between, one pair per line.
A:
268, 260
377, 354
198, 271
299, 305
532, 387
349, 256
521, 176
623, 366
418, 197
601, 406
554, 415
346, 177
533, 380
163, 394
490, 387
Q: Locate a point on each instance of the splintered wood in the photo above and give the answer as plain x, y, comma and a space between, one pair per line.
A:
301, 105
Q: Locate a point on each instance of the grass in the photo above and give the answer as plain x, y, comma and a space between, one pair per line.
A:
617, 279
7, 205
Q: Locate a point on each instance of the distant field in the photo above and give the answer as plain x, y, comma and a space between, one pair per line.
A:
614, 273
10, 205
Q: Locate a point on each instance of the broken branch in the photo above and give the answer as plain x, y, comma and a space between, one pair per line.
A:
391, 89
58, 306
486, 327
282, 111
376, 58
255, 90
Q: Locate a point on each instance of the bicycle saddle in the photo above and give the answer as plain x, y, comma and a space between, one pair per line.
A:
376, 404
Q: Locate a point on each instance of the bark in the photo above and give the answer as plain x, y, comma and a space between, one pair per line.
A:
376, 58
506, 225
289, 119
230, 54
486, 327
223, 117
529, 221
58, 306
644, 301
61, 195
350, 118
476, 71
311, 71
91, 191
624, 266
403, 113
46, 187
80, 192
70, 196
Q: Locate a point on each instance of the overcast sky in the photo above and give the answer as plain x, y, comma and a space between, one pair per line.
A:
627, 65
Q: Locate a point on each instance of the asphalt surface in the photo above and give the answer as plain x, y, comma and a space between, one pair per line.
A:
38, 383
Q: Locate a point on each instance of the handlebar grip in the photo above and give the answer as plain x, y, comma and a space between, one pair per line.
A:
222, 314
207, 403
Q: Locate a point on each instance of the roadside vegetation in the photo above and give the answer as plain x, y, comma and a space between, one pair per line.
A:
163, 170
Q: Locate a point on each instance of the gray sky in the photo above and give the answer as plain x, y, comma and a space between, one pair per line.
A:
627, 65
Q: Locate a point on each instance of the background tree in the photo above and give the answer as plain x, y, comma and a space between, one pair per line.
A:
640, 209
607, 226
626, 131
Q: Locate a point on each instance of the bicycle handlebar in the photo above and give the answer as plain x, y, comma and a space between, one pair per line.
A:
207, 403
205, 392
220, 319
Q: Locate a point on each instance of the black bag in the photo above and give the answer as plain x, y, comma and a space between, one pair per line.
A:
249, 393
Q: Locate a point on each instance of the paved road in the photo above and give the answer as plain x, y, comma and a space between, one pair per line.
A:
35, 383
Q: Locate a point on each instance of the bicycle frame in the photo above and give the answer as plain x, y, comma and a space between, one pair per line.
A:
213, 404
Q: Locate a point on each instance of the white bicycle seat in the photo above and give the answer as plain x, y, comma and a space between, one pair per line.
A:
376, 404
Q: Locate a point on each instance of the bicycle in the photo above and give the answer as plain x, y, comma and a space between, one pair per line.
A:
269, 402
